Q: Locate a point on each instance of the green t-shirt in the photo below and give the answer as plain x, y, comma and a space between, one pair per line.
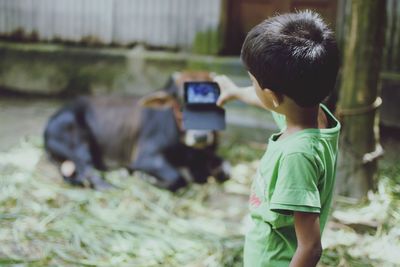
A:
296, 173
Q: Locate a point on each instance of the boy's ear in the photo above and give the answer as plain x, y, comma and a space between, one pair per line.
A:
275, 97
159, 99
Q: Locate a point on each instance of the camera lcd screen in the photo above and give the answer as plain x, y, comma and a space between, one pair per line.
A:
199, 93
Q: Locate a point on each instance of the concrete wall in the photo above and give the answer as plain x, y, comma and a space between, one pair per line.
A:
55, 69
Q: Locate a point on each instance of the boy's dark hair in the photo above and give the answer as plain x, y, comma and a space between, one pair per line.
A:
294, 54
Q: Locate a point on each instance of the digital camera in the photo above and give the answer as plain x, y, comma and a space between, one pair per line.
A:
201, 93
200, 111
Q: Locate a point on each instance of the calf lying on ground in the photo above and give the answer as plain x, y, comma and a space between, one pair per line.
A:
142, 134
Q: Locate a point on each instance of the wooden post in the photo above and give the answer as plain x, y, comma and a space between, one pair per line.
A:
358, 101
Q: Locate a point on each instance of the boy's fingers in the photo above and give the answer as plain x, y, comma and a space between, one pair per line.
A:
226, 86
219, 78
222, 81
220, 101
223, 98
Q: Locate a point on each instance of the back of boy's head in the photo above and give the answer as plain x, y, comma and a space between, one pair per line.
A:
294, 54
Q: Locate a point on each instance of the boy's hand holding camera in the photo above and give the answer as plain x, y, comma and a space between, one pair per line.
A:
230, 91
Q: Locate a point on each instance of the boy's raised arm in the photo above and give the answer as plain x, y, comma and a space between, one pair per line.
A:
230, 91
308, 235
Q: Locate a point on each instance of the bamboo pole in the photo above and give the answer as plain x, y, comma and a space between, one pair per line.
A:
358, 101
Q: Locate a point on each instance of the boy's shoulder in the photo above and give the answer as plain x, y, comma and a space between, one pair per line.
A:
304, 142
305, 146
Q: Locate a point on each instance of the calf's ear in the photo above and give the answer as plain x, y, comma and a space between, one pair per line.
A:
157, 99
176, 75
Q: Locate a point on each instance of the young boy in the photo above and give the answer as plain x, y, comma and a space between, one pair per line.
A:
292, 60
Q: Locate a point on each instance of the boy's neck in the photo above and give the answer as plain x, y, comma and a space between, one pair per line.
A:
300, 118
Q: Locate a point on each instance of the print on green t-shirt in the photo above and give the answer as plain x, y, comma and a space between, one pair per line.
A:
296, 173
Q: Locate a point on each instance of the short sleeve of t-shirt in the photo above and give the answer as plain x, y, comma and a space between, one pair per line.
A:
296, 187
